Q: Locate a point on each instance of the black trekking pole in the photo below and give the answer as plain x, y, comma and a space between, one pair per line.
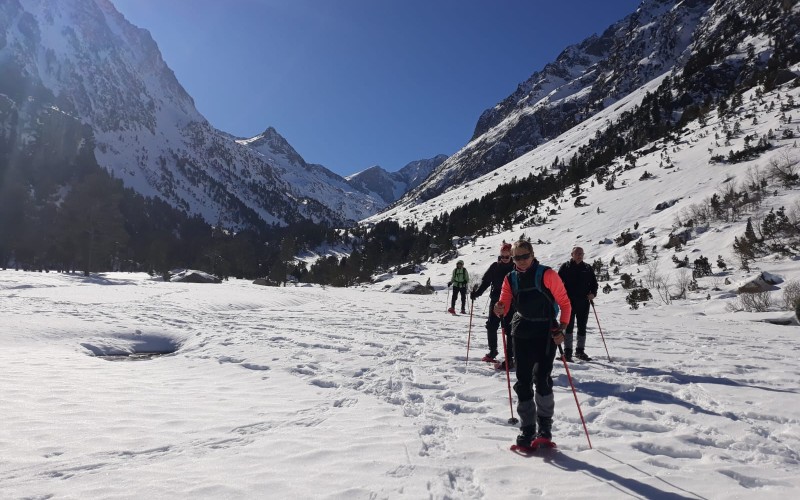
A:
469, 331
569, 377
601, 330
513, 419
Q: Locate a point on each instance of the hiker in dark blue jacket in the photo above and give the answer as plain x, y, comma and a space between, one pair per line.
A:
493, 278
581, 285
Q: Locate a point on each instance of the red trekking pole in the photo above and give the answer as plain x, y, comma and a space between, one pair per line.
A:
511, 420
569, 377
601, 330
469, 331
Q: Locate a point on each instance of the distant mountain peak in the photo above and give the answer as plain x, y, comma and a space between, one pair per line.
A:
390, 186
270, 141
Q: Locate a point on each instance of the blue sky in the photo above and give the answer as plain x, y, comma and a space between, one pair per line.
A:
356, 83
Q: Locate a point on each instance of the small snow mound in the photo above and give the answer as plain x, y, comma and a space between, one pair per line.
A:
193, 276
411, 287
265, 282
764, 282
136, 345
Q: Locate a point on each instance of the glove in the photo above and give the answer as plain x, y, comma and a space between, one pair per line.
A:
498, 309
472, 296
558, 333
448, 284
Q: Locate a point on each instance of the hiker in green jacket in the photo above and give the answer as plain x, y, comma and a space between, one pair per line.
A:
459, 281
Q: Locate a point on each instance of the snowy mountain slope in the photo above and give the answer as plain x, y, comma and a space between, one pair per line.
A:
84, 58
541, 159
661, 36
681, 182
390, 186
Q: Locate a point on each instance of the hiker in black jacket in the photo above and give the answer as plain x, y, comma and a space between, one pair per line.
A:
581, 285
494, 277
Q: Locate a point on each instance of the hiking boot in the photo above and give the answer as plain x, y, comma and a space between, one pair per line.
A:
526, 435
463, 311
582, 355
568, 354
545, 427
502, 365
452, 310
489, 356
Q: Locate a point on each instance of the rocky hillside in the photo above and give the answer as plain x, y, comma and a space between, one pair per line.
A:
706, 47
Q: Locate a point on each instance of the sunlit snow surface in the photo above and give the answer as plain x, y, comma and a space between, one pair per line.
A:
304, 392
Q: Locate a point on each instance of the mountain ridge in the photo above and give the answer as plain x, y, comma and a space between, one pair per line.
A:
84, 58
661, 36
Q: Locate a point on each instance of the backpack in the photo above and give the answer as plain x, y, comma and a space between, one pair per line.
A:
538, 282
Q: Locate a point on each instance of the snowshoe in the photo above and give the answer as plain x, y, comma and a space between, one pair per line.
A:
452, 311
502, 365
527, 443
536, 444
489, 358
582, 355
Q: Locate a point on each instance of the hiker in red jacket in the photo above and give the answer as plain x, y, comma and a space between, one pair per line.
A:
534, 290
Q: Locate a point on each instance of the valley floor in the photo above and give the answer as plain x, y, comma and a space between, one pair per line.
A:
307, 392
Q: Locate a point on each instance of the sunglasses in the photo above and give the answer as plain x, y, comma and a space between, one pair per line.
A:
524, 256
505, 257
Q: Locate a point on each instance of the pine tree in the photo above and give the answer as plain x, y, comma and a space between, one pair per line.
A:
744, 251
641, 251
749, 233
701, 267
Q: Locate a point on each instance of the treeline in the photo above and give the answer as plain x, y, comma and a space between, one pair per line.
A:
98, 225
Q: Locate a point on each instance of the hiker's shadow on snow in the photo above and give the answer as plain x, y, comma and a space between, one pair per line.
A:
625, 485
634, 395
679, 378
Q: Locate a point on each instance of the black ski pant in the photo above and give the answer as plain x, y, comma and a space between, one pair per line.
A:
463, 292
534, 357
492, 324
580, 316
